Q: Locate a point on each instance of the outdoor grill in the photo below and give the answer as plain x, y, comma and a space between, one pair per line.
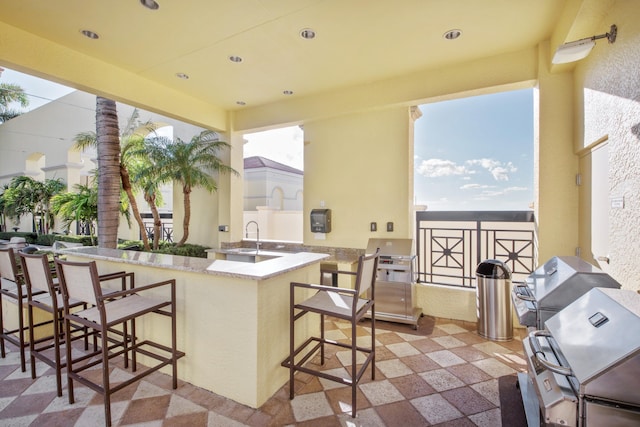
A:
553, 286
395, 282
583, 369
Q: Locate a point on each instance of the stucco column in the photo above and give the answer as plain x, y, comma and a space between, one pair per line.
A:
555, 164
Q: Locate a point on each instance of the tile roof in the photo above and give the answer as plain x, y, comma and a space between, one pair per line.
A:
256, 162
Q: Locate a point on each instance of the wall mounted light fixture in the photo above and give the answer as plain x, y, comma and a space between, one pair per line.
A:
579, 49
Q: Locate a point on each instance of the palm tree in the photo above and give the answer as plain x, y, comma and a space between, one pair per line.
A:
3, 208
189, 163
143, 171
130, 140
44, 191
108, 142
79, 206
24, 195
18, 198
10, 93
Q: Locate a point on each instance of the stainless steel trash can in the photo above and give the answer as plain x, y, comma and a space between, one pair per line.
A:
493, 300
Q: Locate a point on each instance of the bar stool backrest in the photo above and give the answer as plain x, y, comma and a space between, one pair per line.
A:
366, 275
36, 272
8, 266
79, 281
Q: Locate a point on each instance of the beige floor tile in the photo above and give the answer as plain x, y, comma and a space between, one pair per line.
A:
393, 368
310, 406
445, 358
381, 392
403, 349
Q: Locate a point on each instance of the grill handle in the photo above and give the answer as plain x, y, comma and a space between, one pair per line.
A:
523, 296
539, 354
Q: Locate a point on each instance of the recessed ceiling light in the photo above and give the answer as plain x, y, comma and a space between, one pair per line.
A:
150, 4
234, 58
452, 34
241, 103
287, 92
89, 34
182, 76
307, 33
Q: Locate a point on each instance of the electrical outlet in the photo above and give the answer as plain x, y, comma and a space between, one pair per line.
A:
390, 226
373, 226
223, 228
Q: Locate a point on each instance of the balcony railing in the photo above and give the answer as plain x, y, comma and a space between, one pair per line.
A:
451, 244
166, 228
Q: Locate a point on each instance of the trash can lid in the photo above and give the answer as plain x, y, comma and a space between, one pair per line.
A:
494, 269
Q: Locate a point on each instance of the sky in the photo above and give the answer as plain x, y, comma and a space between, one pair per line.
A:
473, 153
39, 91
284, 145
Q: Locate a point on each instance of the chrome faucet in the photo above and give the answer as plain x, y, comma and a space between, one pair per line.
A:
246, 231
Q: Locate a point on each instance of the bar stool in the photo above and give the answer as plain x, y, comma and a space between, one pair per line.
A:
343, 303
79, 281
38, 279
11, 287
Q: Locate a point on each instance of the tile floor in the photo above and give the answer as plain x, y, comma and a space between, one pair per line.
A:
443, 374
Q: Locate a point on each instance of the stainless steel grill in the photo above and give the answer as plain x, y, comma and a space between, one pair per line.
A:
583, 369
553, 286
395, 283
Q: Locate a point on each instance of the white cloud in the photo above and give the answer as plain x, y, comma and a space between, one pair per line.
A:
502, 192
500, 171
433, 168
509, 189
473, 186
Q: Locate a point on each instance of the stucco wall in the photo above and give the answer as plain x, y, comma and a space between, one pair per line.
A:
357, 166
607, 98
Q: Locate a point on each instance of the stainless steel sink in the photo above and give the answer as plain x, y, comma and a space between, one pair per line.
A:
250, 255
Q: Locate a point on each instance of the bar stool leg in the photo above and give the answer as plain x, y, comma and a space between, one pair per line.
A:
23, 359
2, 350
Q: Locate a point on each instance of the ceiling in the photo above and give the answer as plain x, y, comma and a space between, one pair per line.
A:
357, 41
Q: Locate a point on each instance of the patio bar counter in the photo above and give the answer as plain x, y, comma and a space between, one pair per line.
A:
233, 317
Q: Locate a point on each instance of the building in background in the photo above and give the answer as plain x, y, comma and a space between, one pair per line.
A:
273, 198
39, 144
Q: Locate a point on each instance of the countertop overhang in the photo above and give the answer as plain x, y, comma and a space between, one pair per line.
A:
254, 271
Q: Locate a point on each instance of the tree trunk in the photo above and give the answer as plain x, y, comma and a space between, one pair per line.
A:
186, 192
157, 222
108, 137
126, 186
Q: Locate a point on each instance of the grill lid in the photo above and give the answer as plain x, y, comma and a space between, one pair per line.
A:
599, 336
561, 280
391, 247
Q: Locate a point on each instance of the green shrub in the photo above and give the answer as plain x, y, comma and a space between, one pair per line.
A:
132, 245
197, 251
46, 239
28, 236
85, 240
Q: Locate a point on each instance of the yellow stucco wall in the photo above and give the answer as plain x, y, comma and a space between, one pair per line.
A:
555, 165
607, 102
356, 165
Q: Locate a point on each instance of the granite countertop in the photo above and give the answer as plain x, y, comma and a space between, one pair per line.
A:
243, 270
